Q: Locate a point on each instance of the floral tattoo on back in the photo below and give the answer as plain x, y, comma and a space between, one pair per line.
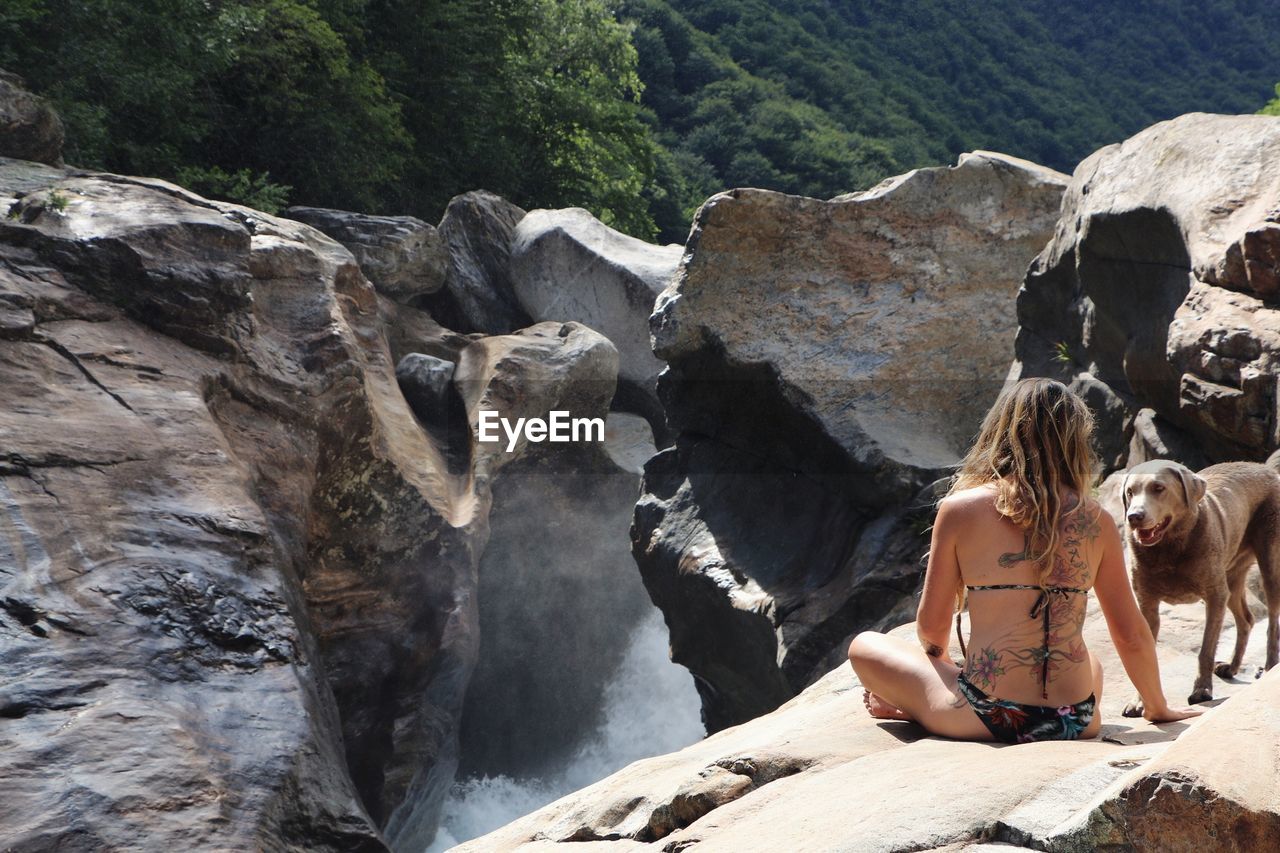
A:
985, 666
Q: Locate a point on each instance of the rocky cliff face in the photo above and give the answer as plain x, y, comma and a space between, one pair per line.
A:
1157, 296
216, 513
239, 589
828, 361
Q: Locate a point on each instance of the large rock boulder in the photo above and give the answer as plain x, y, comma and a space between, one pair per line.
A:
568, 265
1161, 285
819, 773
29, 128
828, 360
219, 612
1215, 788
238, 578
403, 256
478, 295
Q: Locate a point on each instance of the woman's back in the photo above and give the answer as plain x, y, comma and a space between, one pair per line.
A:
1010, 653
1017, 531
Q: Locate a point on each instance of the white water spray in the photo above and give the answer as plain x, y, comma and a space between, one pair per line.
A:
650, 708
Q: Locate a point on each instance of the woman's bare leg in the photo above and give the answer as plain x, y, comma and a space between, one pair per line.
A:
900, 674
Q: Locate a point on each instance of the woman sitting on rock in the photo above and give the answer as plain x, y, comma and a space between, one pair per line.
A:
1019, 531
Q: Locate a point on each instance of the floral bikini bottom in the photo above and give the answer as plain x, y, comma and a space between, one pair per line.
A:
1015, 722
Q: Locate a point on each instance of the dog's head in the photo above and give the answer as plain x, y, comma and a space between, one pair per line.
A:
1157, 494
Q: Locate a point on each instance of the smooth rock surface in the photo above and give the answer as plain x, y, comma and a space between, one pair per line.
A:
827, 361
1214, 789
568, 265
819, 774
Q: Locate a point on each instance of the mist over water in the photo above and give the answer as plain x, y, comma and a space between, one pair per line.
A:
650, 707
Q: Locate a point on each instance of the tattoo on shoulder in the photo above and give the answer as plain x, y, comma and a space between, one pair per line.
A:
1010, 558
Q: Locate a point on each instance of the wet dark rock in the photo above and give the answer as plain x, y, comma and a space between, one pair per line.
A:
425, 382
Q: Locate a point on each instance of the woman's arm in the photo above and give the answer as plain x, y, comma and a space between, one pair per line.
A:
1129, 630
941, 583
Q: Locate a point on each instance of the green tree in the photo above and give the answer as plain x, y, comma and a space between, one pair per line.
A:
577, 96
292, 101
204, 90
533, 99
1273, 106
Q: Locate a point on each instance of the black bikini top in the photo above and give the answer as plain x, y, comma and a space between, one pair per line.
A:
1040, 607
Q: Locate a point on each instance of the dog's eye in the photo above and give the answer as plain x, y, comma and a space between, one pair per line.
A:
1157, 488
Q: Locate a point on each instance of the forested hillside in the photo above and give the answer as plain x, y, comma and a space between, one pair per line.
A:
824, 96
636, 109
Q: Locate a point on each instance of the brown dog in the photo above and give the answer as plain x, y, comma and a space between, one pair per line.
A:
1195, 537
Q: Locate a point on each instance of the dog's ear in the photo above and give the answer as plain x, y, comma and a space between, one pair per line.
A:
1193, 485
1124, 492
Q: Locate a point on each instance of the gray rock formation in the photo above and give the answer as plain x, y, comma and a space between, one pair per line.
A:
426, 382
404, 257
820, 769
1161, 284
827, 361
238, 579
629, 441
478, 228
209, 569
568, 265
29, 128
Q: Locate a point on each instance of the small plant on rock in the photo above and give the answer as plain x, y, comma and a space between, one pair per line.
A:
57, 201
1062, 353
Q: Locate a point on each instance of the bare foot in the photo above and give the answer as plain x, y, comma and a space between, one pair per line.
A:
880, 709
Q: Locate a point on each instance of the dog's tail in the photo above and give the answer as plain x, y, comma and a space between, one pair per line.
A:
1273, 461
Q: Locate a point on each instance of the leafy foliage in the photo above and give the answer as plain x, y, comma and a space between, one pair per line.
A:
379, 105
822, 97
1273, 106
635, 109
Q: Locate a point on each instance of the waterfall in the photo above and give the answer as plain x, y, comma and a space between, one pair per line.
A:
650, 707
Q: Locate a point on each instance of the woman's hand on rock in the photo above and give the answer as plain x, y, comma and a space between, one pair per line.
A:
1171, 714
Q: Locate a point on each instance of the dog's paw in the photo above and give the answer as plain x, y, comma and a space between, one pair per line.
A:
1204, 694
1224, 670
1133, 709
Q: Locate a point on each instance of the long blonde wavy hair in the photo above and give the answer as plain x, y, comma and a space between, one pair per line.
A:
1035, 440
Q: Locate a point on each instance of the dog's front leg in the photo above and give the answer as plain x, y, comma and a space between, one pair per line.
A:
1215, 609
